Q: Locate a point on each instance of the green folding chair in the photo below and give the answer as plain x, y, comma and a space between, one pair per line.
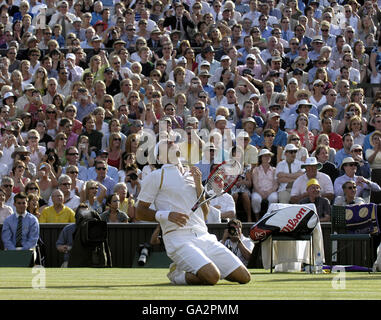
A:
339, 233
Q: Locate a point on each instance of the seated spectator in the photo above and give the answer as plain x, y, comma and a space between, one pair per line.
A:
312, 167
306, 136
323, 139
132, 181
20, 230
302, 153
58, 212
113, 214
241, 190
364, 186
349, 195
240, 245
323, 206
321, 155
5, 210
265, 185
345, 152
126, 201
64, 184
335, 140
93, 195
65, 239
355, 129
287, 171
374, 155
363, 165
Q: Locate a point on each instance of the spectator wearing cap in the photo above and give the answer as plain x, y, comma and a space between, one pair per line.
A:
75, 71
209, 154
244, 90
316, 44
287, 171
303, 107
226, 64
154, 39
345, 151
254, 66
246, 49
112, 84
63, 16
273, 122
250, 152
224, 49
323, 206
312, 168
265, 184
364, 167
208, 54
189, 74
248, 112
250, 126
364, 186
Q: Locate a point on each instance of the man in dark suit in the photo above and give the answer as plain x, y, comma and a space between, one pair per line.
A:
180, 21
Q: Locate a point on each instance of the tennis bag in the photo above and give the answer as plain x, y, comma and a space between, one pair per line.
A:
292, 220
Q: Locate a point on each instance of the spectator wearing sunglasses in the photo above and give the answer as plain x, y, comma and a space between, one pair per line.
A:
349, 197
364, 186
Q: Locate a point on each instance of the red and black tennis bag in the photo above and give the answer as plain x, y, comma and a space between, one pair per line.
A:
292, 219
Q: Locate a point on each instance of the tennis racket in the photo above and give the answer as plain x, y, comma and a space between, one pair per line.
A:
219, 181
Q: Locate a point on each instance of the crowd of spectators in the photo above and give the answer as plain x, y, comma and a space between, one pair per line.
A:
280, 85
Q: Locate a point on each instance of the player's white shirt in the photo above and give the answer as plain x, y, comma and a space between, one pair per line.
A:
177, 193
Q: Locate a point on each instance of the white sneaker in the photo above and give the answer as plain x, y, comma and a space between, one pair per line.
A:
174, 274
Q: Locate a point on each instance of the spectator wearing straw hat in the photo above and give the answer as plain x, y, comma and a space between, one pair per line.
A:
312, 168
364, 186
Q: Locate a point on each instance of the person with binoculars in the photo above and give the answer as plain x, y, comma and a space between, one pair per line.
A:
234, 240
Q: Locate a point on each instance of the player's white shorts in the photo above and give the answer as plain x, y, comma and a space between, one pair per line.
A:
191, 251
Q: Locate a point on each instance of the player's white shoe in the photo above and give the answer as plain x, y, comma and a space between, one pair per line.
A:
174, 273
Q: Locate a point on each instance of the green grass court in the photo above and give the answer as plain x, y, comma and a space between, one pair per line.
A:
152, 284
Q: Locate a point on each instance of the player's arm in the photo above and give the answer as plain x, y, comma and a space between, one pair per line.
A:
144, 213
197, 176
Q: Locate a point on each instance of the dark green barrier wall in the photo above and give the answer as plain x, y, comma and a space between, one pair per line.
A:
125, 238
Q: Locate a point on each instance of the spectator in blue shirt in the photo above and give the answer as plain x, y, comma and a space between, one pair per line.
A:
30, 226
345, 152
101, 168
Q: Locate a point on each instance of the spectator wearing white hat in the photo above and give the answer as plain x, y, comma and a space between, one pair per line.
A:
265, 184
75, 72
364, 186
364, 166
312, 168
287, 171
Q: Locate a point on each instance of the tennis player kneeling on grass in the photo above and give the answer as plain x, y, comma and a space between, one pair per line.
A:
198, 257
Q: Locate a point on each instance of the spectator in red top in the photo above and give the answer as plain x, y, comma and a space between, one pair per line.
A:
335, 140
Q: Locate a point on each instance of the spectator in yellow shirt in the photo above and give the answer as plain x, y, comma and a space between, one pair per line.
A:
58, 212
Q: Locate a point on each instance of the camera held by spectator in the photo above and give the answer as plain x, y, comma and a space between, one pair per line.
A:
144, 252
